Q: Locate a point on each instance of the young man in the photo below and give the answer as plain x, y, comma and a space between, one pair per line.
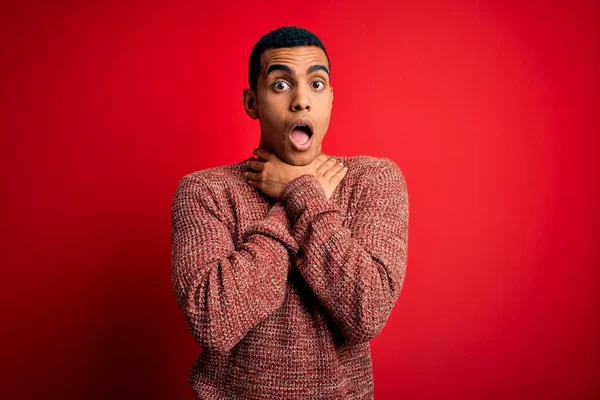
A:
286, 265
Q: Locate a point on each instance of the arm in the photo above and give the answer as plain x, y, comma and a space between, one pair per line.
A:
225, 291
357, 272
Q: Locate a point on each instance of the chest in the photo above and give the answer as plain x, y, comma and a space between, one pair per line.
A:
246, 206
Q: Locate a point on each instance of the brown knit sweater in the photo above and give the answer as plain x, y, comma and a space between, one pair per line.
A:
284, 296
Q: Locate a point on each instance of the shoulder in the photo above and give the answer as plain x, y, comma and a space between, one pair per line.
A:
210, 186
214, 178
370, 168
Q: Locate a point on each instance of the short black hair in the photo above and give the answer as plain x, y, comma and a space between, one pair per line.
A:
287, 36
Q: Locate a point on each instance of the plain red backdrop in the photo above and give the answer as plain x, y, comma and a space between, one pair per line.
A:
490, 110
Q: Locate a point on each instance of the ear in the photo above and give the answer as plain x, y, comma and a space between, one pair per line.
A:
331, 95
249, 100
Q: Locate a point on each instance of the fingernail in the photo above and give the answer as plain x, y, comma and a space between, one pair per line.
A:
345, 168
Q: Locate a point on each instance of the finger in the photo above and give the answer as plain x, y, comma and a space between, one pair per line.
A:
329, 164
332, 171
323, 168
319, 161
255, 184
255, 165
337, 178
262, 153
255, 176
323, 157
326, 166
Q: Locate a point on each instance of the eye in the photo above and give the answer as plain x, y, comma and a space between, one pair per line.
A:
318, 85
280, 86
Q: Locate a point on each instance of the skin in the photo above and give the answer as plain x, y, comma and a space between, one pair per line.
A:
281, 97
273, 174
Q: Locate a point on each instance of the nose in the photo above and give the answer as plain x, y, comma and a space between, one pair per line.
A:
301, 100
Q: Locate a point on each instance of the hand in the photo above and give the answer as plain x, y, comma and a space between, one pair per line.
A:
330, 174
270, 174
273, 174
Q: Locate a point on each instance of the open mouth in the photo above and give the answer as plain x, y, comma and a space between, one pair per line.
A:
301, 134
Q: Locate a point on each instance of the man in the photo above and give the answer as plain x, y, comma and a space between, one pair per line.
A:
286, 265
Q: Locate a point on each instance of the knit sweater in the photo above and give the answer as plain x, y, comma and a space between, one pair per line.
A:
284, 296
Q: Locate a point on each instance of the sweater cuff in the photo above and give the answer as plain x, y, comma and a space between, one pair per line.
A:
304, 199
276, 224
301, 191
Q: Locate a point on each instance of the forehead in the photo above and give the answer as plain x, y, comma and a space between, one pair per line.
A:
299, 58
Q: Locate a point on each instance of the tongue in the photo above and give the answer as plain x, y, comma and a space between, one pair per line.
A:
299, 136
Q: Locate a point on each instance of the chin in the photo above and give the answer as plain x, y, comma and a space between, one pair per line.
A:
300, 158
295, 160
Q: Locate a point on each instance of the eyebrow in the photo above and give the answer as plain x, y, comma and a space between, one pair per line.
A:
318, 67
285, 68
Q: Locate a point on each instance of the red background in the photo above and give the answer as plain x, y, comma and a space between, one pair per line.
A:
490, 110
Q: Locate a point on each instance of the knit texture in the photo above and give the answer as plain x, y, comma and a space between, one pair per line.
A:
284, 296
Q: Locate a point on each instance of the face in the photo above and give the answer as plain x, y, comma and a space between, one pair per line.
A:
293, 90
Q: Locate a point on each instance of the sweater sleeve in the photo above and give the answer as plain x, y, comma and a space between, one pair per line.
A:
222, 290
356, 272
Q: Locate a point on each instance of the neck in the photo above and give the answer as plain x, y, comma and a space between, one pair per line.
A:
264, 145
